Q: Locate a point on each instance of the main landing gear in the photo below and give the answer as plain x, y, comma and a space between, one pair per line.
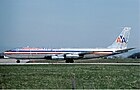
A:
69, 61
18, 61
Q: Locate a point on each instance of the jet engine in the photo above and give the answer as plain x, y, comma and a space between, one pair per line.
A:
57, 57
54, 57
72, 56
62, 57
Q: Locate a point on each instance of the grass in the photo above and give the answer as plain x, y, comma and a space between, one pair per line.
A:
69, 76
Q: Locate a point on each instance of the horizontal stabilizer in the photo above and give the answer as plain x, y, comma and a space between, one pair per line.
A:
125, 50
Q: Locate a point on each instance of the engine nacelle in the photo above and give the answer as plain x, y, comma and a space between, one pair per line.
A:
62, 57
54, 57
72, 56
57, 57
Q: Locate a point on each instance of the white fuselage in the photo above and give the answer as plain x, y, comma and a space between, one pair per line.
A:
60, 53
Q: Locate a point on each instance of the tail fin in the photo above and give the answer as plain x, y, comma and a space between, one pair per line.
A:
122, 39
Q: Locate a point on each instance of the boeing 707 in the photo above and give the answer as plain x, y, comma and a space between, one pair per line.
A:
71, 54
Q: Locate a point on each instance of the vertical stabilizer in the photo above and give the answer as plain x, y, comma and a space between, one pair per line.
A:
122, 39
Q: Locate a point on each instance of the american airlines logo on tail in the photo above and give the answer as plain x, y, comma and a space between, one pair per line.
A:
121, 39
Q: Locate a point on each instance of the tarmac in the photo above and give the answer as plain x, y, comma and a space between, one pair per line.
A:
23, 62
69, 63
12, 61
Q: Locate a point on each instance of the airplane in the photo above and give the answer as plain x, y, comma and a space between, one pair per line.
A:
71, 54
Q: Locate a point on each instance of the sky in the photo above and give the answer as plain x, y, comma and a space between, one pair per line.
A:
67, 23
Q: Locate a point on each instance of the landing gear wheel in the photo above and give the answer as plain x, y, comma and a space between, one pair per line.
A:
18, 61
69, 61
